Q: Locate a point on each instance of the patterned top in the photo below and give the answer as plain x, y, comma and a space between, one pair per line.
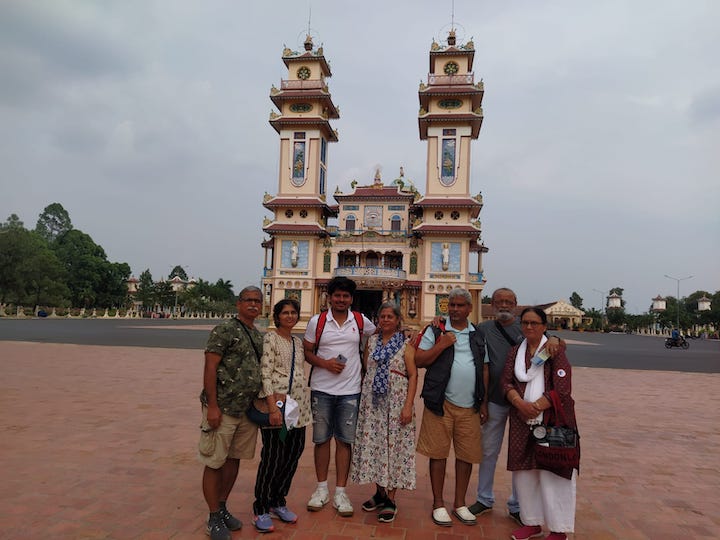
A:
558, 376
275, 368
238, 373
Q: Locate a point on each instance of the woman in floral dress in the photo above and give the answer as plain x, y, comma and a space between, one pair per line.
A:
384, 450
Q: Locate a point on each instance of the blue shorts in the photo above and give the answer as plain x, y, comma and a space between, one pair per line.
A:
334, 416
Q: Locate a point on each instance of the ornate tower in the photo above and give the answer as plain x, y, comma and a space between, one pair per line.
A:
300, 208
449, 120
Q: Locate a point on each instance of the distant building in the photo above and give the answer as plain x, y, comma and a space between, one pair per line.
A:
396, 243
560, 314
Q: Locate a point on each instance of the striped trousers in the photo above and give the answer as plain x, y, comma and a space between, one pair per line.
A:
278, 463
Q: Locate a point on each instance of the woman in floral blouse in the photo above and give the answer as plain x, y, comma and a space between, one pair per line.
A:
283, 359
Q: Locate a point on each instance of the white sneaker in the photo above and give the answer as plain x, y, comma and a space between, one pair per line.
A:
342, 504
318, 499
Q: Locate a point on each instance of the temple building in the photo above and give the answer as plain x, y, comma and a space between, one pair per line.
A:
393, 241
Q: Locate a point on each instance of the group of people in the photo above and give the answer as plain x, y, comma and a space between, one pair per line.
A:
360, 392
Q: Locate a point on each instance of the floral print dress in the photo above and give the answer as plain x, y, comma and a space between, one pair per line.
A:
384, 449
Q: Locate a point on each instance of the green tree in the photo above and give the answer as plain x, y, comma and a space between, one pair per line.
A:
576, 300
85, 263
164, 295
112, 290
486, 299
146, 290
12, 222
597, 318
53, 222
222, 291
178, 271
30, 273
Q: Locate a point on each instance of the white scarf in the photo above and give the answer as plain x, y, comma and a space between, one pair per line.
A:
533, 376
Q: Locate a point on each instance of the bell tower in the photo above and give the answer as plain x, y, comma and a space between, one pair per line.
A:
298, 229
449, 120
303, 124
450, 117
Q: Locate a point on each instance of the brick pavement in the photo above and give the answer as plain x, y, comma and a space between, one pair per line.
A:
98, 442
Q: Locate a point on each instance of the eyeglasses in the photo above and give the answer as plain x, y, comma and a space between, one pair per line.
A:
251, 300
531, 324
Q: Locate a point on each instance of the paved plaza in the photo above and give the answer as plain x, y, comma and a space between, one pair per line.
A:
99, 442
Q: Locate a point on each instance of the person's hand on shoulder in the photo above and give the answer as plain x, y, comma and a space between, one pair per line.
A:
554, 345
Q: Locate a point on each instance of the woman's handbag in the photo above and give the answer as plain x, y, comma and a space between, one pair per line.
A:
259, 412
556, 444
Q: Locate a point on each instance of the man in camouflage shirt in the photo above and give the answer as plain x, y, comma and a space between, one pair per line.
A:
230, 382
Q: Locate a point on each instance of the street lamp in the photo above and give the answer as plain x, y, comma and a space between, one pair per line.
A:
678, 296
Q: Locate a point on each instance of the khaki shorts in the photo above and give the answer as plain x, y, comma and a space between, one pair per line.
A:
234, 438
459, 425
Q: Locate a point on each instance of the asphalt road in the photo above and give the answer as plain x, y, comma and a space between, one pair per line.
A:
584, 349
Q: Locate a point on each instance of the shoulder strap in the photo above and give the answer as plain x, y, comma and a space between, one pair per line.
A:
322, 319
507, 337
360, 322
436, 330
242, 325
292, 365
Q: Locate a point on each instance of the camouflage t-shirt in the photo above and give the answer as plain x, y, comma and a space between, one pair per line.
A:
238, 374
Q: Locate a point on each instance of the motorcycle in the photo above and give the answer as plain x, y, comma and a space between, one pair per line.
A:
679, 342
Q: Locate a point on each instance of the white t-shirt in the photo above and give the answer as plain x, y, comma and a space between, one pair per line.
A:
336, 340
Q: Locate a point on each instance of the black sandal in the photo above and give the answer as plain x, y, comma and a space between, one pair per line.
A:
374, 502
387, 514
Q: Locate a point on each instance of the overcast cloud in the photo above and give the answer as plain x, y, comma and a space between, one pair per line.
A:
598, 158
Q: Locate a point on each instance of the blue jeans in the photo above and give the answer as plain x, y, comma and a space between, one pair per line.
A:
334, 416
493, 432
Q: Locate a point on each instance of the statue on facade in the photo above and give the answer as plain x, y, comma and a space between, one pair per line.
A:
294, 254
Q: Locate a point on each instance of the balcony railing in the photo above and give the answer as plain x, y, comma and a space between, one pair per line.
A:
451, 79
300, 85
370, 271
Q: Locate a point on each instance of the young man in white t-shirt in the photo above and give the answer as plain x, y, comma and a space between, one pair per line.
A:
335, 383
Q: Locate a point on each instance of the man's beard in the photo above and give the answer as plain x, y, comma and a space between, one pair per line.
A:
505, 316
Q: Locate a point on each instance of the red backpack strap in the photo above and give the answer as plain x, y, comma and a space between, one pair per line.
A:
360, 322
322, 319
419, 337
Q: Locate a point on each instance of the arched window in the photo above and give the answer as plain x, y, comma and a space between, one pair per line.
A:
350, 222
395, 223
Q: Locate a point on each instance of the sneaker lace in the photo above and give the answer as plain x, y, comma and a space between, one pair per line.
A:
343, 499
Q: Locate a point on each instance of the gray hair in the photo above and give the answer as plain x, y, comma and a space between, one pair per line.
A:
462, 293
250, 288
390, 305
503, 289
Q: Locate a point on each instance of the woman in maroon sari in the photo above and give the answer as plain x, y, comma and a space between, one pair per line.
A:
529, 381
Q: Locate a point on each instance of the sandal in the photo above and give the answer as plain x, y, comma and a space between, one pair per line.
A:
387, 514
374, 502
